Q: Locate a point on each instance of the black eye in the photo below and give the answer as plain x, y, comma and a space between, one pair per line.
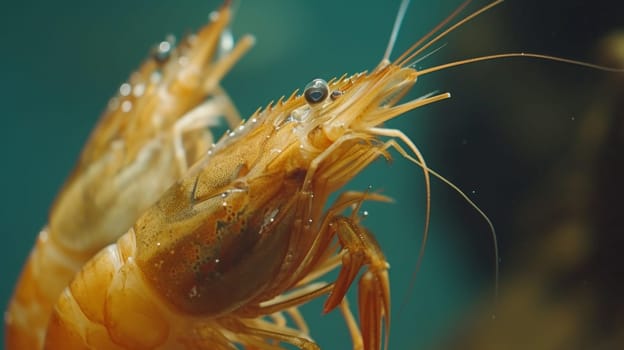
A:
316, 91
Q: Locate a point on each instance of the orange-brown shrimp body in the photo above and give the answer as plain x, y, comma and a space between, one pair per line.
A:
243, 236
244, 233
153, 128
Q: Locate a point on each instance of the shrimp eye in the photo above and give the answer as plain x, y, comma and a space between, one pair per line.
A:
316, 91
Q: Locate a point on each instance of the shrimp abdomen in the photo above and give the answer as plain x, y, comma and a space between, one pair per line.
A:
107, 306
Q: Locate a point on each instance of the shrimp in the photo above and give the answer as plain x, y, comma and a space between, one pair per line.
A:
244, 234
244, 237
152, 129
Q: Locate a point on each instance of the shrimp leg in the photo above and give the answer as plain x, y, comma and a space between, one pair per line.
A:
374, 287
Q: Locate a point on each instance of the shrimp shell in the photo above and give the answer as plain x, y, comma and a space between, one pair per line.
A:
244, 234
152, 129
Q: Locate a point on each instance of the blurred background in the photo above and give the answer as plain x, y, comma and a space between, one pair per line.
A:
535, 144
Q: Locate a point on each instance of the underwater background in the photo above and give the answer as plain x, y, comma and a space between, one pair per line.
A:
536, 144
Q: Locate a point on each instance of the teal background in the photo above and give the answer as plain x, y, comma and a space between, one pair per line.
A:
61, 61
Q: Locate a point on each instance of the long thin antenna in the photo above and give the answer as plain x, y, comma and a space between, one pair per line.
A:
437, 28
395, 29
444, 33
519, 54
425, 56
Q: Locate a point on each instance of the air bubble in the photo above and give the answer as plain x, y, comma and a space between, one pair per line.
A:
125, 89
126, 106
155, 77
138, 90
159, 264
193, 292
183, 61
226, 43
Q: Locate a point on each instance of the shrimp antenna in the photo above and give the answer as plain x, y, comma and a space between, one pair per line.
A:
424, 57
437, 28
519, 54
395, 29
402, 60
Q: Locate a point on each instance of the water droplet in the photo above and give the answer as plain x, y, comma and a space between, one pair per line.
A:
163, 50
124, 89
155, 77
226, 42
183, 61
193, 292
126, 106
138, 90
